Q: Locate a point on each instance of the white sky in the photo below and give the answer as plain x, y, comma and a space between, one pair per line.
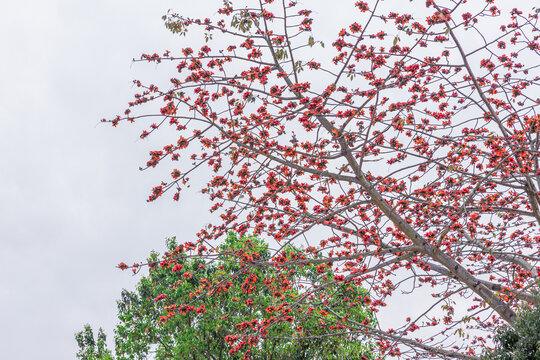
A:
72, 200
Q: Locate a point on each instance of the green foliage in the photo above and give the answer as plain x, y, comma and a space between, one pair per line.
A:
188, 308
520, 342
89, 348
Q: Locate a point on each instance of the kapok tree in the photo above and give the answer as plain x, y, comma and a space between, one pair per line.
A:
192, 308
405, 155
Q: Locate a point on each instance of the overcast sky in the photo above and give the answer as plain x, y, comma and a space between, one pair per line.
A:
72, 200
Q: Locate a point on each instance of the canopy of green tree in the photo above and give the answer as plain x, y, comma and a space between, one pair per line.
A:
190, 308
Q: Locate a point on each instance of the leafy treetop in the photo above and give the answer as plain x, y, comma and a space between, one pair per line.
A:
192, 308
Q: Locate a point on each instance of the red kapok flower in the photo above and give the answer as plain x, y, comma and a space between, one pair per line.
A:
160, 297
177, 267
